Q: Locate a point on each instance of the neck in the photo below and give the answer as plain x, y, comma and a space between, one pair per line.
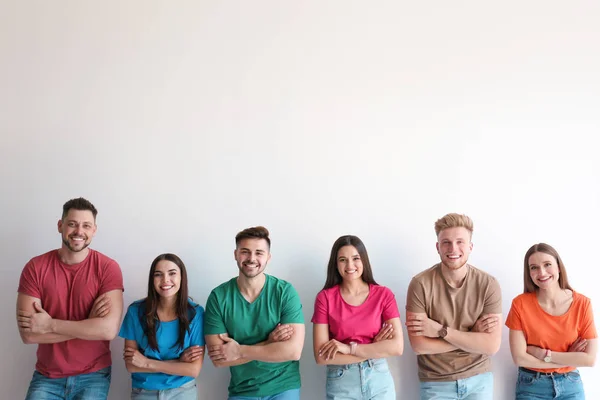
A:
69, 257
455, 277
167, 305
251, 286
354, 287
552, 295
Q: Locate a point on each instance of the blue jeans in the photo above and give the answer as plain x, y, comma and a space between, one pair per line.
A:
293, 394
187, 391
478, 387
370, 379
539, 385
93, 386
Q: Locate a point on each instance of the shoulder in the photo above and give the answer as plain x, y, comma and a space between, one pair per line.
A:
329, 293
428, 275
137, 305
224, 287
196, 307
42, 260
102, 260
579, 298
523, 299
481, 276
278, 284
381, 291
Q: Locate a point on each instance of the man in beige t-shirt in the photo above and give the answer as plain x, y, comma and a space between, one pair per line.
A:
453, 312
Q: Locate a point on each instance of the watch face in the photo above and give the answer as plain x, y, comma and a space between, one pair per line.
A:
547, 359
443, 332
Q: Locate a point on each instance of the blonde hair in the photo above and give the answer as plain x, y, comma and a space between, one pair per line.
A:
453, 220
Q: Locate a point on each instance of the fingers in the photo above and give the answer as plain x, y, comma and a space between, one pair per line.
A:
37, 307
216, 353
282, 333
191, 354
415, 327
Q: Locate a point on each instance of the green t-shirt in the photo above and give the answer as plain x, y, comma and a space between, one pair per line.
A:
227, 311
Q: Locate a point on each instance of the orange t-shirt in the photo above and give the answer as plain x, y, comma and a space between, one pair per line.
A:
552, 332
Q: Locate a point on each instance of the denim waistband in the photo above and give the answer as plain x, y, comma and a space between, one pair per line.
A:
530, 371
363, 364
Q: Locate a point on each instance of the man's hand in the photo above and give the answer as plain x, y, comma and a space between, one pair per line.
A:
386, 332
330, 348
420, 325
229, 351
101, 307
135, 358
487, 323
537, 352
281, 333
578, 346
191, 354
39, 322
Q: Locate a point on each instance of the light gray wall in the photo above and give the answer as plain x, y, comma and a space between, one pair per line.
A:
185, 122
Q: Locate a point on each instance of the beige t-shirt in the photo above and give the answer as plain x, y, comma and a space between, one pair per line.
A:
457, 308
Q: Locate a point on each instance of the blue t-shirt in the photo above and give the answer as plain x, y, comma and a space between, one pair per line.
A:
166, 336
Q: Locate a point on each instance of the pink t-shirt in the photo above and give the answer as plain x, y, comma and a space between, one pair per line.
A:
68, 292
349, 323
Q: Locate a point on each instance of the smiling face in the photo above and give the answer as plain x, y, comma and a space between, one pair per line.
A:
454, 247
544, 271
252, 257
349, 263
167, 278
77, 229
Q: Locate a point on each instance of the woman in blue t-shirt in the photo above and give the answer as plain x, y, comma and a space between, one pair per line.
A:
164, 341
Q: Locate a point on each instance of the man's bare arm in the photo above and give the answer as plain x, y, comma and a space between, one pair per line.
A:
25, 307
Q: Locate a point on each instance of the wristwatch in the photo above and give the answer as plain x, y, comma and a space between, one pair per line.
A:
353, 348
443, 332
548, 356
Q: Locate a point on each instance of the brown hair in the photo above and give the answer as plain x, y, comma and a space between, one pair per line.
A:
333, 275
453, 220
529, 286
185, 311
79, 204
256, 232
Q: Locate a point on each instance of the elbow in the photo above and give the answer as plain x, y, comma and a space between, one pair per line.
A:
590, 361
27, 339
492, 350
296, 354
194, 372
399, 350
109, 333
130, 368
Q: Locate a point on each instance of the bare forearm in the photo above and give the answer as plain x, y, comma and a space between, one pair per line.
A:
473, 342
87, 329
382, 349
173, 367
272, 352
573, 359
528, 361
44, 338
425, 345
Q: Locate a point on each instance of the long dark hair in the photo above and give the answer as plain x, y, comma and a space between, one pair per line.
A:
529, 286
333, 275
185, 312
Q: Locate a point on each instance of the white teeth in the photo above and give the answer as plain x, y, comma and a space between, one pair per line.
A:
166, 287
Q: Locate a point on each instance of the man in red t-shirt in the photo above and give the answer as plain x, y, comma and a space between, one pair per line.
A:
70, 303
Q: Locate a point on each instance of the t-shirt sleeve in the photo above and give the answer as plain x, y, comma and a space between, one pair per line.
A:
197, 327
112, 279
131, 322
321, 312
588, 330
390, 307
493, 298
415, 297
292, 306
213, 319
513, 320
28, 283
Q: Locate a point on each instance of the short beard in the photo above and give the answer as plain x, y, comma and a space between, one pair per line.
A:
66, 243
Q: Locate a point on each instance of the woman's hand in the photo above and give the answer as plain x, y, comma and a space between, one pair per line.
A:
135, 358
329, 349
537, 352
386, 332
578, 346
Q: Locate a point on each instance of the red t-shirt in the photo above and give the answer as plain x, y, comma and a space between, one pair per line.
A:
349, 323
68, 292
554, 332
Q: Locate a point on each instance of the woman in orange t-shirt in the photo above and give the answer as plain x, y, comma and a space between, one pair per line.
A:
552, 330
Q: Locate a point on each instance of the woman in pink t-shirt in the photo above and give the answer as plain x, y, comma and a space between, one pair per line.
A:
356, 324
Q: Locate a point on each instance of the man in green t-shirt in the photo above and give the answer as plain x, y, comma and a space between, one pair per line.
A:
254, 324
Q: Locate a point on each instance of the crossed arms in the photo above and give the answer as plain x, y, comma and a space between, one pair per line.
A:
581, 353
388, 342
484, 337
36, 326
284, 343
